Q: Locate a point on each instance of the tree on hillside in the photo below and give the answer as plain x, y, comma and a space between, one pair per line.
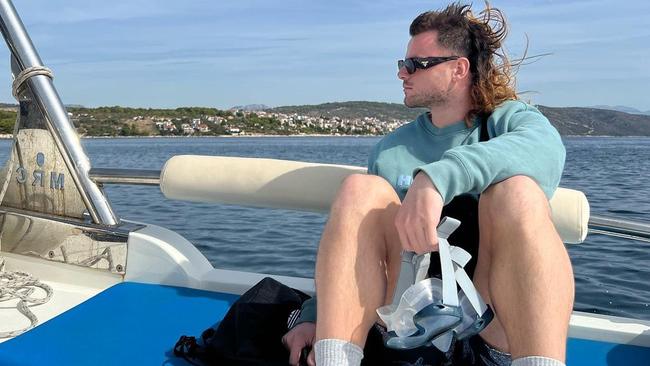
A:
7, 121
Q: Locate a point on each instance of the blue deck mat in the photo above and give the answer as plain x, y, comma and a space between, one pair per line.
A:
138, 324
127, 324
581, 352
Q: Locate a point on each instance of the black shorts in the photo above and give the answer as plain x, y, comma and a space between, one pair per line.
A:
465, 209
470, 351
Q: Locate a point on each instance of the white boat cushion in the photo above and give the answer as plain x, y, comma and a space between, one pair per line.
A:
570, 213
307, 186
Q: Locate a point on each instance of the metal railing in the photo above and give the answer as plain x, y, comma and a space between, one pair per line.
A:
605, 225
613, 226
125, 176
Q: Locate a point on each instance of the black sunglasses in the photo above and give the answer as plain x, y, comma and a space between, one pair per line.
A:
414, 63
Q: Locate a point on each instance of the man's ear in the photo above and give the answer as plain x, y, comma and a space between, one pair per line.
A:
461, 71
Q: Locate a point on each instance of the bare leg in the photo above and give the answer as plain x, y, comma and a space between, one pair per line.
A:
524, 271
358, 259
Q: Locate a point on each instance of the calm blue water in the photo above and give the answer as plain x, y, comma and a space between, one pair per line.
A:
612, 275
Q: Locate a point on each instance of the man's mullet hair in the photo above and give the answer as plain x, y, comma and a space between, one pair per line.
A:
480, 39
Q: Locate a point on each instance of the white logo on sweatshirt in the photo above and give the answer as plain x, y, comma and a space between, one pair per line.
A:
404, 181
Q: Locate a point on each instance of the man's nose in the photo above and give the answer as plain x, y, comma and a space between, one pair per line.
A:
402, 74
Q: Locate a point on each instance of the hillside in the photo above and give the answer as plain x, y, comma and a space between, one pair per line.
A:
568, 120
342, 118
358, 109
597, 122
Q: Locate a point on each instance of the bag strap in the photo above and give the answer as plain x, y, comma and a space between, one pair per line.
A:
449, 289
188, 349
483, 133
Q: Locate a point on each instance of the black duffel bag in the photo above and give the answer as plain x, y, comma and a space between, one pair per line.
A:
251, 332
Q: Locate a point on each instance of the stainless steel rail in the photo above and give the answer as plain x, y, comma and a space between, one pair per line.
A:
125, 176
56, 117
611, 226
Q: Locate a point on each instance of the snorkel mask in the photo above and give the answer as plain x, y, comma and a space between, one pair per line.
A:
432, 311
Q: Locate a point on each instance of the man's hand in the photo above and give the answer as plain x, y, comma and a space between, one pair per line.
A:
301, 336
417, 219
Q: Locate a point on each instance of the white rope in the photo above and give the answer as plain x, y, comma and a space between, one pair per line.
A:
21, 285
28, 73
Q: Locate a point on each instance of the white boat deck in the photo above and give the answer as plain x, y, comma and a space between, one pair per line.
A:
71, 286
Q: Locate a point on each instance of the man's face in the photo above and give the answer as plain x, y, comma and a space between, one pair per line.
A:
427, 87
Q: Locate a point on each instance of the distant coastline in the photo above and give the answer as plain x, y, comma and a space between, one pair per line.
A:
328, 119
300, 136
224, 136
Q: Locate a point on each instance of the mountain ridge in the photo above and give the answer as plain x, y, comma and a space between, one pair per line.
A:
620, 108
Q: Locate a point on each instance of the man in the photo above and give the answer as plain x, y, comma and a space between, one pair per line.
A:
454, 67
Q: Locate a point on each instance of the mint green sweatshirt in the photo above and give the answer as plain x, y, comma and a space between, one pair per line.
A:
522, 142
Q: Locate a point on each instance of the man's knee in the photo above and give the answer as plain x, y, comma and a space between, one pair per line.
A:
369, 202
514, 201
364, 190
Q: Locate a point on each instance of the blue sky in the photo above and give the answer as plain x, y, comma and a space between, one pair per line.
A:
150, 53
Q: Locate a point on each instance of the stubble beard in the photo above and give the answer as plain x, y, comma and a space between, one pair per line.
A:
432, 98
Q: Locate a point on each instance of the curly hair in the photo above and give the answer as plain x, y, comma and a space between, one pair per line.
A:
480, 39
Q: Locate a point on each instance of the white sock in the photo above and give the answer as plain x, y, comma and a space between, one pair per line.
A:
536, 361
336, 352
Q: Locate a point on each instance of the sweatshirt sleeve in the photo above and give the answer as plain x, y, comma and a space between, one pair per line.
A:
523, 142
308, 311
